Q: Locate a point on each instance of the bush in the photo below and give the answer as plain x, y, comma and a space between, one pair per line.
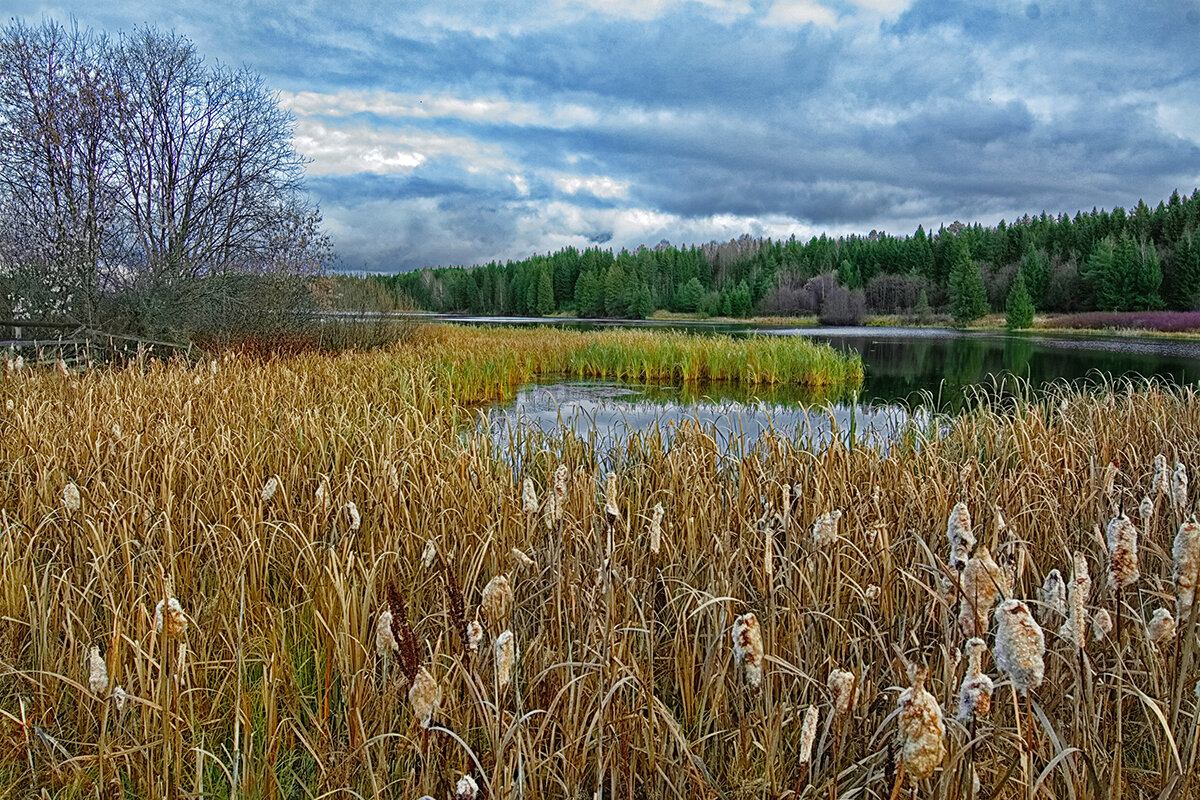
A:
843, 307
896, 294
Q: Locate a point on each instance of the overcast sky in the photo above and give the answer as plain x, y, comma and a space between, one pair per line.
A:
450, 132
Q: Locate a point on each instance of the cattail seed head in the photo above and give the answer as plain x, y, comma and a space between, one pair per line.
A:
975, 693
1186, 555
518, 555
825, 529
505, 658
97, 672
748, 647
1020, 646
1109, 481
424, 696
169, 619
1146, 511
656, 518
474, 635
1179, 486
959, 535
808, 735
181, 660
1161, 484
1074, 630
872, 593
1122, 538
611, 511
497, 602
323, 501
428, 554
529, 501
466, 788
385, 640
1102, 624
1054, 594
353, 518
119, 697
841, 685
270, 489
982, 582
71, 498
1161, 627
922, 731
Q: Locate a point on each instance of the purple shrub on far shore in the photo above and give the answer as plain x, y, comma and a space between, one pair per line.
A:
1149, 320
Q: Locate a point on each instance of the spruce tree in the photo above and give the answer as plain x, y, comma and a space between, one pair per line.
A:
968, 298
1036, 269
1146, 280
1019, 307
1183, 288
545, 293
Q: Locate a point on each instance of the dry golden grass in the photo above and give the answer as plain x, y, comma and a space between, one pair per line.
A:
623, 679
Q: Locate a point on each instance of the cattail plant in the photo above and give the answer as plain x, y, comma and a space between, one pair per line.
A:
71, 498
922, 731
975, 692
497, 602
1102, 625
428, 554
1161, 627
1186, 555
556, 503
1122, 536
748, 647
808, 737
1146, 512
656, 518
393, 478
522, 560
825, 529
466, 788
353, 518
424, 695
321, 497
1108, 482
269, 490
841, 685
1074, 629
474, 635
1054, 594
1161, 485
612, 511
406, 640
959, 535
505, 659
385, 640
97, 672
982, 582
169, 619
1020, 646
119, 697
1179, 487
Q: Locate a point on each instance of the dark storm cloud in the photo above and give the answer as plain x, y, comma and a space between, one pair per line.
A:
459, 132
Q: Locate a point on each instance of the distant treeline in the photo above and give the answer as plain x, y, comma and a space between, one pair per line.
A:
1104, 260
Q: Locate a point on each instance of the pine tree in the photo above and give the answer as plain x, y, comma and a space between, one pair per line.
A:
1146, 280
1182, 290
922, 310
848, 275
968, 298
589, 297
545, 293
1036, 269
1019, 307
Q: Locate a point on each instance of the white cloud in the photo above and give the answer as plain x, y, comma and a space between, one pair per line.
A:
413, 106
345, 150
598, 185
800, 12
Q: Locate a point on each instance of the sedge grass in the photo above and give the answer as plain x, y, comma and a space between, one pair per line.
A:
623, 679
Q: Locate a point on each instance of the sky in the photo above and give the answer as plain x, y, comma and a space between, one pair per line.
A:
456, 133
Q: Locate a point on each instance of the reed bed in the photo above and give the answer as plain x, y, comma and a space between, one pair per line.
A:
312, 576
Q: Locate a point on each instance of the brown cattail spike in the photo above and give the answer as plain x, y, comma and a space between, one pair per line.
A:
959, 535
406, 641
748, 647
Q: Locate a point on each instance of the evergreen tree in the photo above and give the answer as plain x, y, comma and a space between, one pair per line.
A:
1102, 275
1019, 307
848, 275
1146, 280
641, 303
689, 295
922, 310
589, 295
1183, 289
1035, 268
968, 298
545, 293
616, 291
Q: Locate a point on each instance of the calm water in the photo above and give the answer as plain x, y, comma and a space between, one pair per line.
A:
908, 373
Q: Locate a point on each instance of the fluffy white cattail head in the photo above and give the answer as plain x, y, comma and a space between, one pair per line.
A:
841, 686
353, 518
322, 498
529, 501
169, 619
1020, 646
1179, 486
119, 697
825, 529
497, 602
270, 489
808, 734
505, 658
959, 535
556, 503
1146, 511
474, 635
1122, 536
975, 693
181, 660
611, 511
1054, 594
71, 498
428, 554
518, 555
748, 647
385, 640
922, 731
1186, 553
466, 788
872, 593
1161, 628
982, 582
1161, 485
1074, 630
424, 696
1102, 624
656, 518
97, 672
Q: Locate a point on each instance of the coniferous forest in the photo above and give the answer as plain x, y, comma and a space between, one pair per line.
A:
1144, 259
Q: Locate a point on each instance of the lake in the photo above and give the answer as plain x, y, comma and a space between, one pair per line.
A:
908, 373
